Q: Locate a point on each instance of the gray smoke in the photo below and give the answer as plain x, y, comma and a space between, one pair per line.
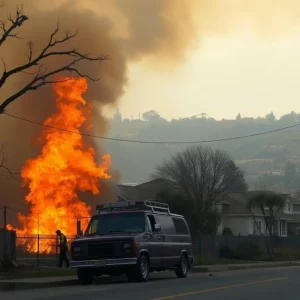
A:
149, 33
161, 31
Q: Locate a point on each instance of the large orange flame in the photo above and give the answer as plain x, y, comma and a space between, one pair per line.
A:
65, 166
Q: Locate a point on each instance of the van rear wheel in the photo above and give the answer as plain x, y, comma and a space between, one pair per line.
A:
182, 270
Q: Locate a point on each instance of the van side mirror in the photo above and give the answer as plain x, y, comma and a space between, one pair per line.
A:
79, 231
157, 227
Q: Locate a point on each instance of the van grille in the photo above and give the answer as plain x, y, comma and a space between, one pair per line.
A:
101, 250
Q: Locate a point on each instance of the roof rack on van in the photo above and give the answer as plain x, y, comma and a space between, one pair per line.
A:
146, 204
157, 205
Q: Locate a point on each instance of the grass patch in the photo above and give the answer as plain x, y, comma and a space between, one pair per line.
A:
36, 273
210, 260
286, 254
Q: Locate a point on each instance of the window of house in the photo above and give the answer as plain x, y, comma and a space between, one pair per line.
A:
219, 208
288, 207
257, 227
296, 208
283, 228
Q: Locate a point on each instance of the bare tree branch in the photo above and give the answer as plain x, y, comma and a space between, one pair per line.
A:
3, 165
4, 65
42, 76
14, 23
30, 51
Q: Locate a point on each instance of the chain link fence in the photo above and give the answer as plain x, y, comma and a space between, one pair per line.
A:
43, 250
7, 246
39, 250
225, 246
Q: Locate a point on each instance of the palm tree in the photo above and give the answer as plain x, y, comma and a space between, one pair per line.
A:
268, 204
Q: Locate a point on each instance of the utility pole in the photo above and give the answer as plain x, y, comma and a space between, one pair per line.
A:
5, 217
4, 230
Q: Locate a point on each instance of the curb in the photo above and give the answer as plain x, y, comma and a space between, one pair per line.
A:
212, 268
17, 286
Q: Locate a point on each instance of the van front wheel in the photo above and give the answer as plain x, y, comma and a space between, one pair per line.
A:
84, 277
141, 271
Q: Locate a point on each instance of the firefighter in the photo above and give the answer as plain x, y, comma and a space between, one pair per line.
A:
63, 246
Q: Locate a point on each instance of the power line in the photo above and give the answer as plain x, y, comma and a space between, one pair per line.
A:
154, 142
13, 209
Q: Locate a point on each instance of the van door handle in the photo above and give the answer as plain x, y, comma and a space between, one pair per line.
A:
147, 236
158, 237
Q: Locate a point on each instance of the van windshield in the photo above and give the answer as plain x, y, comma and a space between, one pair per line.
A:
116, 223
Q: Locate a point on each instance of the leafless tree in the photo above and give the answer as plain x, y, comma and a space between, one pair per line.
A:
35, 65
203, 175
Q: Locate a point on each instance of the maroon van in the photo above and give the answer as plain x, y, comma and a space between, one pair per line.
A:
133, 238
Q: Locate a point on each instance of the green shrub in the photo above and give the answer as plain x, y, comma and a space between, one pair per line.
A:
248, 251
287, 254
227, 252
244, 251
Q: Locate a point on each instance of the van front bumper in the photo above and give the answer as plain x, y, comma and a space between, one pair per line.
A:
103, 263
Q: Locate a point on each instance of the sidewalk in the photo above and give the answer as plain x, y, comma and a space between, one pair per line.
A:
33, 283
61, 281
257, 265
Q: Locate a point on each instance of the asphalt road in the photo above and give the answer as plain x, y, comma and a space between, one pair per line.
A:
260, 284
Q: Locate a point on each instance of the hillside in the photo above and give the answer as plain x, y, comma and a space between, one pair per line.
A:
257, 156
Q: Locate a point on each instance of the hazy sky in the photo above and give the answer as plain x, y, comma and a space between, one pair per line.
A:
227, 75
221, 57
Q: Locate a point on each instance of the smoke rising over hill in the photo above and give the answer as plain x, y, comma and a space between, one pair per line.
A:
98, 33
161, 31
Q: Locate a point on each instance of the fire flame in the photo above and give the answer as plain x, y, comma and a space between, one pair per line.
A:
65, 166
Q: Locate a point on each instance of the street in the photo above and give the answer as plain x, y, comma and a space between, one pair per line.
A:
259, 284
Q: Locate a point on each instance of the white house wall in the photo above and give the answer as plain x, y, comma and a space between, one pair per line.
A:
238, 225
242, 225
251, 225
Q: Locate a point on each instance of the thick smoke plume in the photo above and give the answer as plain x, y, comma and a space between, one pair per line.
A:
124, 30
161, 31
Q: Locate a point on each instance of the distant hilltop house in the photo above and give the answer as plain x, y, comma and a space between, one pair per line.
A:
233, 209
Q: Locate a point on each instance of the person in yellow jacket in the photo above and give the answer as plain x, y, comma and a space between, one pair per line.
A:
63, 246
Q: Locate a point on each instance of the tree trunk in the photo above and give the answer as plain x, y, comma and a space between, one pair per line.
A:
267, 246
270, 243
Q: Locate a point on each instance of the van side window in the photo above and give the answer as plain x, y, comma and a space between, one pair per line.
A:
167, 226
180, 226
152, 222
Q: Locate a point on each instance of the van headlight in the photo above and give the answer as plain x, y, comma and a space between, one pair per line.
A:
76, 249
